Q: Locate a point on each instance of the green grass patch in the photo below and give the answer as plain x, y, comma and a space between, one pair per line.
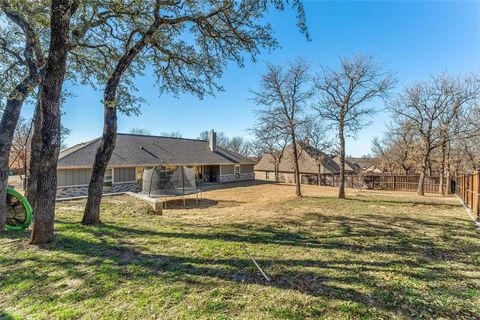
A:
371, 256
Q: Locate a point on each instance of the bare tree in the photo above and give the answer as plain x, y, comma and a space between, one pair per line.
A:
222, 139
20, 152
396, 151
173, 134
236, 144
141, 131
314, 133
432, 108
271, 141
471, 150
285, 93
344, 95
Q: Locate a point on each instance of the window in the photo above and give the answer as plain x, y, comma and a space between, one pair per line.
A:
237, 170
126, 174
267, 175
108, 178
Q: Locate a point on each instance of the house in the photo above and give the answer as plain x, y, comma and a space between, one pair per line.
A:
133, 153
350, 166
313, 163
366, 164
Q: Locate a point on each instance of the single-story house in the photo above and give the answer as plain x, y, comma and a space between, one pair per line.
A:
133, 153
313, 164
366, 164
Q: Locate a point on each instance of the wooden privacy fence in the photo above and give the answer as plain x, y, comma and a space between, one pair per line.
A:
382, 182
468, 190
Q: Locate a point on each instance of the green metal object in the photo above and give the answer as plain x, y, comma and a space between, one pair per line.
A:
19, 211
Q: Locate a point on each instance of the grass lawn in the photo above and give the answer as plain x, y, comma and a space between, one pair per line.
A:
375, 255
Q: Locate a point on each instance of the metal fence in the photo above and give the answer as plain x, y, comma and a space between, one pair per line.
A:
468, 188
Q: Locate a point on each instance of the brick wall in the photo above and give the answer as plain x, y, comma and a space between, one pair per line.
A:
241, 177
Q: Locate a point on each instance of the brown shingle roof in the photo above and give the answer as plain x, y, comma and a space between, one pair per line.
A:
349, 166
307, 162
133, 149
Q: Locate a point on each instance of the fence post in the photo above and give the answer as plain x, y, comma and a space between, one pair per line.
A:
478, 195
456, 184
472, 188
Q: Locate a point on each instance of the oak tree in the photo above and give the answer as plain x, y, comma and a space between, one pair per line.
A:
346, 95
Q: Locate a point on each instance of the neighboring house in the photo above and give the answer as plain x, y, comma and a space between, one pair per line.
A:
350, 167
373, 169
133, 153
366, 164
313, 163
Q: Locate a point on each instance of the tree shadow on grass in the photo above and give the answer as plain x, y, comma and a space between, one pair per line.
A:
177, 204
230, 185
307, 276
408, 202
397, 234
6, 316
379, 201
114, 255
335, 278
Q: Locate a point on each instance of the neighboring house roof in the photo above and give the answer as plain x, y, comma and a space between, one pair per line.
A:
362, 162
327, 162
307, 162
349, 166
131, 149
373, 169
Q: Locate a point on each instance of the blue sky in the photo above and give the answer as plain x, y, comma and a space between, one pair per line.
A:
415, 39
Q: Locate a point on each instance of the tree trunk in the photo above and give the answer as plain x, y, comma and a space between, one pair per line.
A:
423, 171
298, 190
341, 182
441, 185
319, 174
35, 160
24, 169
448, 180
276, 167
9, 121
91, 215
447, 172
55, 69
